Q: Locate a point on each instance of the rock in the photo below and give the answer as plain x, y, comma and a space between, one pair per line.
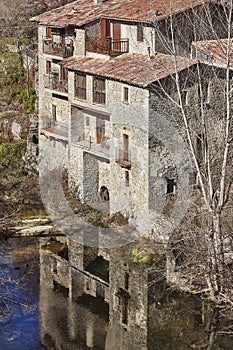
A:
16, 130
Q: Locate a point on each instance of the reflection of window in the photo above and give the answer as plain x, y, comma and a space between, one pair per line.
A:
55, 266
126, 95
139, 33
99, 90
124, 311
80, 86
126, 280
88, 285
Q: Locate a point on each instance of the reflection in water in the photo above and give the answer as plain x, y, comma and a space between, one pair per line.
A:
108, 300
19, 292
99, 300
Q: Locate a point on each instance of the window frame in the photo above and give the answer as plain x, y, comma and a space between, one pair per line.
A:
99, 90
80, 86
125, 94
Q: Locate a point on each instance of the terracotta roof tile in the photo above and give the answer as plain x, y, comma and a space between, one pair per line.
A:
214, 51
81, 12
131, 68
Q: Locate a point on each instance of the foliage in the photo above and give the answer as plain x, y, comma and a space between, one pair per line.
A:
11, 153
140, 257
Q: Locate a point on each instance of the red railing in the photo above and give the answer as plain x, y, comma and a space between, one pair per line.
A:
109, 46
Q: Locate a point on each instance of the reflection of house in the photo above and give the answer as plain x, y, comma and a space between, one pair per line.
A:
139, 313
81, 274
100, 97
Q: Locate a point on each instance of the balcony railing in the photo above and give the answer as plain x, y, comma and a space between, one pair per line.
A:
123, 158
90, 144
57, 49
54, 83
109, 46
99, 97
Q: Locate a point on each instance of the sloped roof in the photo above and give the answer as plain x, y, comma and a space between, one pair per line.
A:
81, 12
214, 51
131, 68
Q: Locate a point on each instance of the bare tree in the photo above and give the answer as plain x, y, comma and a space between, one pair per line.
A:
207, 128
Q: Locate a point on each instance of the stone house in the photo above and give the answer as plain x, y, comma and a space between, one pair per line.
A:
106, 82
98, 100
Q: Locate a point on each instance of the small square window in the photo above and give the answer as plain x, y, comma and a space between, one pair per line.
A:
126, 94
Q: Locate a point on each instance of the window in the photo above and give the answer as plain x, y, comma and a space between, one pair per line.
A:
99, 90
49, 32
54, 114
139, 33
171, 186
48, 67
100, 129
184, 97
125, 94
127, 178
87, 121
64, 74
126, 147
80, 86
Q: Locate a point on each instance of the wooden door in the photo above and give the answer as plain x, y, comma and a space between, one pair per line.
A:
105, 29
100, 130
116, 31
49, 32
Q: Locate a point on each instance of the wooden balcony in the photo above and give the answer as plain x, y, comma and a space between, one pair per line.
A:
57, 49
108, 46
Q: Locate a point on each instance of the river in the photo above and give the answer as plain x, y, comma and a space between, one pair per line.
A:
36, 308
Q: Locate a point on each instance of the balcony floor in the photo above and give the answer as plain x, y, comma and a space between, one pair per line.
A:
95, 148
55, 132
